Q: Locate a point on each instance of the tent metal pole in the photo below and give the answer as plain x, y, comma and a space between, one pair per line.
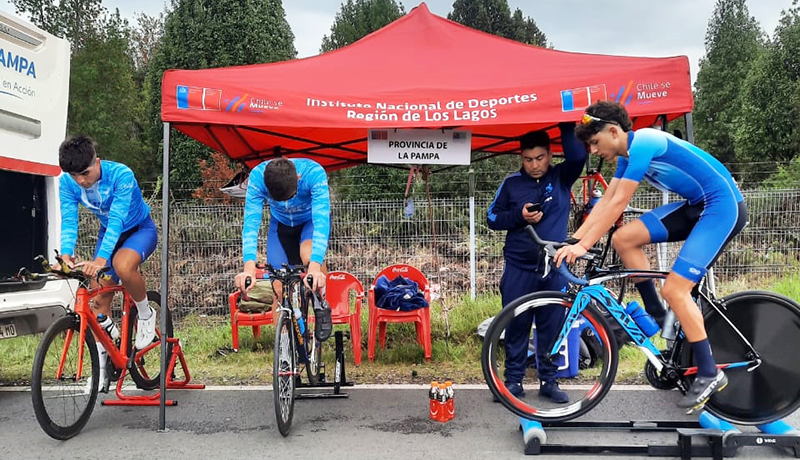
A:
689, 127
472, 233
162, 413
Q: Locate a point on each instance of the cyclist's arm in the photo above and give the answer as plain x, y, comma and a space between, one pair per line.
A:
253, 213
121, 204
69, 217
320, 213
498, 216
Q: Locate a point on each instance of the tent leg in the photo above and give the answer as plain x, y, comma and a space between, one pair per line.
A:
162, 413
472, 233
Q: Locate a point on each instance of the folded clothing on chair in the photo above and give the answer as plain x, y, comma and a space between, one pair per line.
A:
400, 294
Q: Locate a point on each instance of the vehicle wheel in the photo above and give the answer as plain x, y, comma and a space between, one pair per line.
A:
283, 373
585, 390
62, 400
146, 369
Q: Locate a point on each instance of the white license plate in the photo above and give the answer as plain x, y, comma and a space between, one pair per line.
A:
7, 330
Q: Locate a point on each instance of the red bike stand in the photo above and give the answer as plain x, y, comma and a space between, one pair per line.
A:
155, 399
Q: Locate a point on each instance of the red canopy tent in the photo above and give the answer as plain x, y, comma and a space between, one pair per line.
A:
421, 71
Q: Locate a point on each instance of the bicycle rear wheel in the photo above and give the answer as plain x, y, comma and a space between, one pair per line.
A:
586, 388
63, 403
283, 372
146, 369
771, 323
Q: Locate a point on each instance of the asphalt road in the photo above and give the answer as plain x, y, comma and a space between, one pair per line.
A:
374, 422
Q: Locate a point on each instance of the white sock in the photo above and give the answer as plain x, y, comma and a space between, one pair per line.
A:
101, 356
143, 308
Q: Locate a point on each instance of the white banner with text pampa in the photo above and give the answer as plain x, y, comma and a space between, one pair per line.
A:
419, 146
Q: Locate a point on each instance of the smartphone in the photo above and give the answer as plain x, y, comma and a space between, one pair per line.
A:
535, 207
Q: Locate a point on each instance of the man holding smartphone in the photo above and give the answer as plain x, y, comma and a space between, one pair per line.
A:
537, 194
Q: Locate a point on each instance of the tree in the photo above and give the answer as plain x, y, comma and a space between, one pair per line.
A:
76, 20
767, 131
525, 30
359, 18
734, 40
103, 95
199, 34
491, 16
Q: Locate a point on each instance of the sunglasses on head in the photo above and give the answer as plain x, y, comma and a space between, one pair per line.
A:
586, 119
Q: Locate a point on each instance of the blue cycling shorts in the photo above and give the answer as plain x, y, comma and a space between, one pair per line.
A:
707, 228
142, 238
283, 242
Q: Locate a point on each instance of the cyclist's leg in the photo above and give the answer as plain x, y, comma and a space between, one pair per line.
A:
322, 313
276, 256
131, 253
713, 230
307, 245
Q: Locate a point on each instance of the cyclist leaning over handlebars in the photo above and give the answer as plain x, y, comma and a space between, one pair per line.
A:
297, 192
127, 234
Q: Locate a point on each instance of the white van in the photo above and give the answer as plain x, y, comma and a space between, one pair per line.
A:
34, 90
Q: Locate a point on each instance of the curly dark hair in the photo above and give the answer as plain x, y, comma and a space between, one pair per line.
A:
606, 112
76, 154
280, 177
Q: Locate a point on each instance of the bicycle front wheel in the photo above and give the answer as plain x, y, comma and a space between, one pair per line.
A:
146, 369
313, 346
283, 372
771, 323
63, 400
588, 378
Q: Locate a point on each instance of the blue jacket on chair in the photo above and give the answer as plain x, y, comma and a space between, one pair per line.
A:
399, 294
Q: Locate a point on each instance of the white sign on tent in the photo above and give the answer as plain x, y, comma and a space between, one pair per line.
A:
419, 146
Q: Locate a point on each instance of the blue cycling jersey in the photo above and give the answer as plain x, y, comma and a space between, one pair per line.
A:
115, 199
312, 202
674, 165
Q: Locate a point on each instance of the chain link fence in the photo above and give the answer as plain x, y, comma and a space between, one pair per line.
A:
205, 243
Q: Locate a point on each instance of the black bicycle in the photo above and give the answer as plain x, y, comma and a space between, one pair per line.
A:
296, 346
755, 336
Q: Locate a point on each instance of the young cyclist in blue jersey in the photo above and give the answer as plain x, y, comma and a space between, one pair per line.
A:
127, 234
711, 214
299, 226
545, 189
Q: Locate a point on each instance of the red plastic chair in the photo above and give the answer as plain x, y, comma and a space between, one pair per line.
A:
379, 317
241, 319
337, 292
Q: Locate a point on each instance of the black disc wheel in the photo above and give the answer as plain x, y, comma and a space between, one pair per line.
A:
771, 323
283, 373
586, 387
63, 391
146, 369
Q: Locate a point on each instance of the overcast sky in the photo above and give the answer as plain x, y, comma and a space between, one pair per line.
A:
622, 27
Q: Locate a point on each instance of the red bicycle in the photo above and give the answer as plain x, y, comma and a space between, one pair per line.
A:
65, 382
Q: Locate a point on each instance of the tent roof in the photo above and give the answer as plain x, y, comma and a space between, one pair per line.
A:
414, 73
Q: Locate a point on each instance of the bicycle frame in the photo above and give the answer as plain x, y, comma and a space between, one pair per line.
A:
594, 290
118, 356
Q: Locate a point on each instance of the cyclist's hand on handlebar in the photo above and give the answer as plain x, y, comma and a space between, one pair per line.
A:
91, 268
242, 283
67, 260
318, 278
569, 254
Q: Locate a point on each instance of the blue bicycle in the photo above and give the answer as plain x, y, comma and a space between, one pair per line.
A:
754, 334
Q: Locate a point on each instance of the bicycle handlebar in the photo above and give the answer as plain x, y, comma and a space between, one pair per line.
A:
550, 252
65, 272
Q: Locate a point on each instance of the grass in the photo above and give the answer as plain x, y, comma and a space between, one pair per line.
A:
456, 356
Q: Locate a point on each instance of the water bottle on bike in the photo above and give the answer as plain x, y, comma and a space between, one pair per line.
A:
108, 324
643, 319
